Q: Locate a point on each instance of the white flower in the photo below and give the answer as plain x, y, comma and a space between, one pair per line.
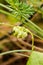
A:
20, 32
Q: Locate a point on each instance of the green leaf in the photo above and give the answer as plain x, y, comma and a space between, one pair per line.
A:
12, 2
36, 58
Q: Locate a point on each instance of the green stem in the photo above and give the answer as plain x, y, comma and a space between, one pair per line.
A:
1, 5
32, 38
37, 30
14, 51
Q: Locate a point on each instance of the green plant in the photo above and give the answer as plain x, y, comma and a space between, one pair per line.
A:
22, 11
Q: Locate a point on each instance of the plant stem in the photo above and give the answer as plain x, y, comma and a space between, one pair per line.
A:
1, 5
37, 30
14, 51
